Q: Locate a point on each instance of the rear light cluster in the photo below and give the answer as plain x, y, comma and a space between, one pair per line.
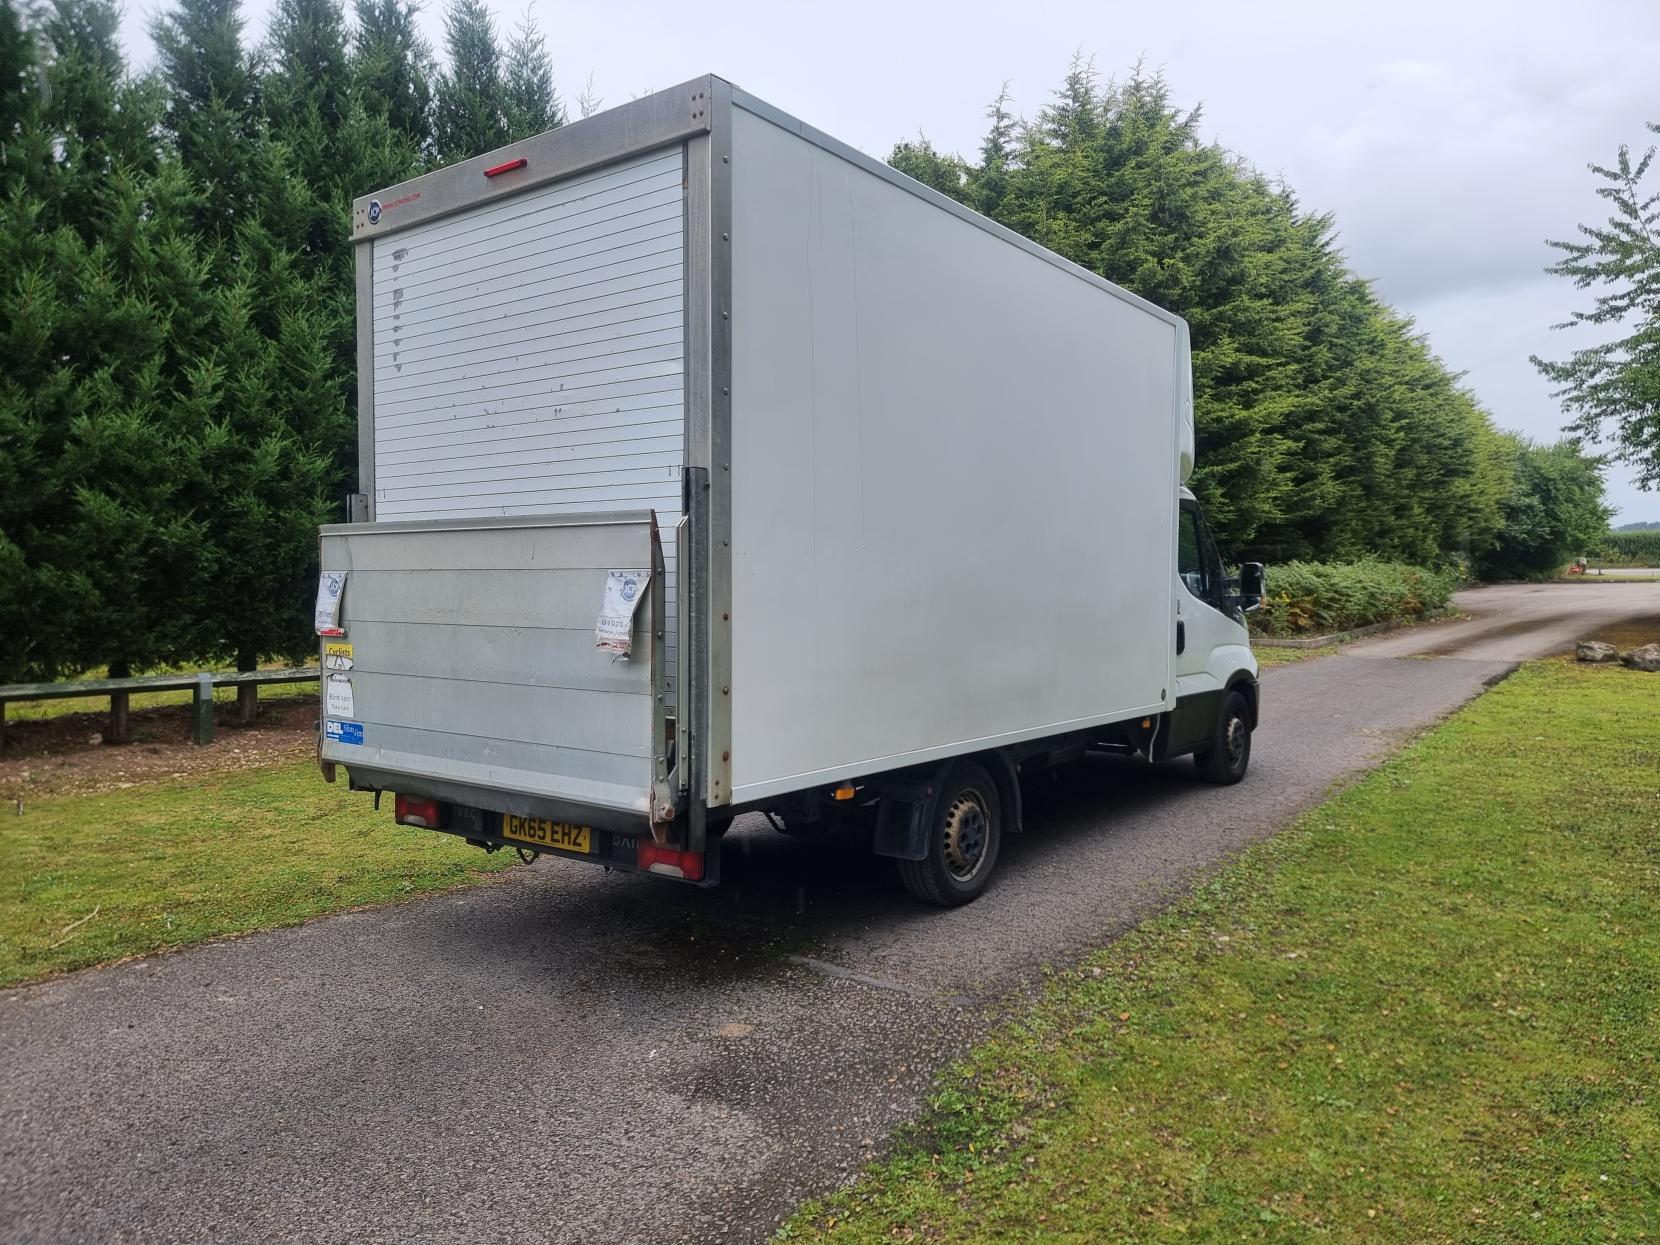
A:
409, 811
670, 861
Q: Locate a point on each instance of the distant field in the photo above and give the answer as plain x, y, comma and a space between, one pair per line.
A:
1640, 548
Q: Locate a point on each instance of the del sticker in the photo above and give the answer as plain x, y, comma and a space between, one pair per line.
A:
343, 732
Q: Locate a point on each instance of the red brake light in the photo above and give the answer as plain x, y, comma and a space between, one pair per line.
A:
412, 812
506, 168
670, 861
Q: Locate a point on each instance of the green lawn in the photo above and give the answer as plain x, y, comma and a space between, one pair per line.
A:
1428, 1012
86, 879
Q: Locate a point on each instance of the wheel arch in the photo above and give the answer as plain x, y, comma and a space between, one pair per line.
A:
1005, 772
1245, 684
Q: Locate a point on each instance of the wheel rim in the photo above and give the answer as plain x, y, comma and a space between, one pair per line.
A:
1236, 741
967, 834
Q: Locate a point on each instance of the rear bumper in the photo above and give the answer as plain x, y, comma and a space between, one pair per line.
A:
608, 848
489, 803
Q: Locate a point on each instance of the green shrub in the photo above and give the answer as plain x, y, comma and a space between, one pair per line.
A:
1314, 598
1629, 549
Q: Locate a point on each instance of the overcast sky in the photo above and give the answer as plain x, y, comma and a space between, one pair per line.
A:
1449, 138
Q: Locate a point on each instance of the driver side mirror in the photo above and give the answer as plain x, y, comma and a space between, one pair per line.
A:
1253, 586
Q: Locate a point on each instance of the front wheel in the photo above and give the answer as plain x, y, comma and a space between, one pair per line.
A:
963, 840
1224, 760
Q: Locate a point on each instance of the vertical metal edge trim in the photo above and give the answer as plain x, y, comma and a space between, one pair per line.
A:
698, 298
365, 260
694, 697
682, 664
662, 797
719, 731
693, 553
1173, 616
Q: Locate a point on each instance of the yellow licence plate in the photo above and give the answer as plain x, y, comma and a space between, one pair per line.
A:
545, 833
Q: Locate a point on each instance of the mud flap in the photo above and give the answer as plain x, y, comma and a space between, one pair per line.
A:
902, 821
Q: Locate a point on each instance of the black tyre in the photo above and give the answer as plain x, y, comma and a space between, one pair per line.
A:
963, 840
1226, 758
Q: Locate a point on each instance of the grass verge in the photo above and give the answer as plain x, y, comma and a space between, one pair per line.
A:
87, 879
1430, 1011
1272, 655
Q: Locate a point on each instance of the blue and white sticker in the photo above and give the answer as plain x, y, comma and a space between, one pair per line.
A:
330, 584
614, 631
374, 211
343, 732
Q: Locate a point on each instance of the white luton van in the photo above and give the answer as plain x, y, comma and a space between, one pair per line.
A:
709, 466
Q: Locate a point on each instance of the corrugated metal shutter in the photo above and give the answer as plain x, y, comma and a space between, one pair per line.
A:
529, 355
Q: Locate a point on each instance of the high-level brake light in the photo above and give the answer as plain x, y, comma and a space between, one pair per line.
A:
506, 168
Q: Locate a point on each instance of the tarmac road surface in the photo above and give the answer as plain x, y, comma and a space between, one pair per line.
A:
571, 1056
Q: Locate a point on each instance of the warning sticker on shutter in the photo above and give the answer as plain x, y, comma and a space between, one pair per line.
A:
338, 697
614, 631
342, 732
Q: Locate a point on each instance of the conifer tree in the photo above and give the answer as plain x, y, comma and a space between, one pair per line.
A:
17, 66
307, 87
304, 207
471, 114
392, 71
25, 586
1612, 388
100, 537
267, 407
921, 161
532, 103
272, 444
213, 106
1325, 427
995, 154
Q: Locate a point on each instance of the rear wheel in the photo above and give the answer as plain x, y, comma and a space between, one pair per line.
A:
963, 839
1224, 760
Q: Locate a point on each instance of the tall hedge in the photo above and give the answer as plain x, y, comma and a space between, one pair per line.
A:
176, 312
1326, 426
177, 395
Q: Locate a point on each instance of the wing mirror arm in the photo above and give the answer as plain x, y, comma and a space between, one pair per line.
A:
1253, 586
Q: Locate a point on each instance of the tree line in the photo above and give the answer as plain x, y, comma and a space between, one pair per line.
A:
176, 319
176, 315
1326, 426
